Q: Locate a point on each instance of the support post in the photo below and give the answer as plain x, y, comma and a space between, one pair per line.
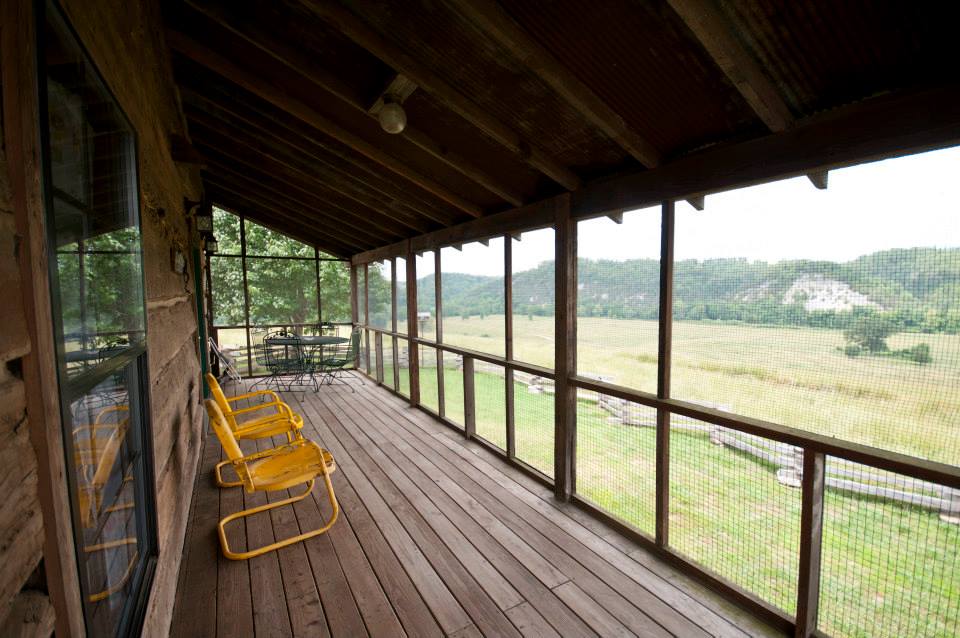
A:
662, 525
366, 313
508, 344
412, 327
469, 399
393, 324
378, 344
354, 308
438, 306
565, 364
811, 534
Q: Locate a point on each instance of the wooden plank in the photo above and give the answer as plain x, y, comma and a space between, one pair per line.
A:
378, 344
591, 613
284, 101
354, 29
718, 38
565, 362
530, 623
469, 399
234, 601
495, 22
811, 535
664, 350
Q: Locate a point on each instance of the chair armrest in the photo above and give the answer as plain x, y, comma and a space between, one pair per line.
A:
292, 426
250, 395
280, 449
280, 405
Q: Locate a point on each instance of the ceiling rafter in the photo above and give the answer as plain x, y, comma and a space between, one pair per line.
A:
266, 90
357, 31
308, 68
496, 23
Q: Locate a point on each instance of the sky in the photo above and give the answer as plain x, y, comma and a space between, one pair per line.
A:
898, 203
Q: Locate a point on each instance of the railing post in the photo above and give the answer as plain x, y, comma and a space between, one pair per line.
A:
565, 364
413, 352
438, 307
663, 374
811, 534
378, 346
508, 343
469, 399
366, 313
354, 309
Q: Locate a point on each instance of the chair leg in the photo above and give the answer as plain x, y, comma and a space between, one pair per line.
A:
232, 555
219, 477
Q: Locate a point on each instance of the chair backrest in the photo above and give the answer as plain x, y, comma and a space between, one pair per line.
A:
217, 392
223, 431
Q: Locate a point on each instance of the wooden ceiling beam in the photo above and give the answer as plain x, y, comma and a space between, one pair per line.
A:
241, 143
399, 89
716, 35
256, 201
357, 31
492, 20
308, 200
307, 66
268, 91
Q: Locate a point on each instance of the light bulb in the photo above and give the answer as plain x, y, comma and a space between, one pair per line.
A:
392, 118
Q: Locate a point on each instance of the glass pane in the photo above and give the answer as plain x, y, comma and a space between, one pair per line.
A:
835, 311
890, 564
533, 417
491, 405
733, 511
429, 396
618, 298
401, 265
226, 278
378, 282
533, 297
263, 241
282, 291
226, 228
335, 291
104, 436
403, 366
426, 296
473, 296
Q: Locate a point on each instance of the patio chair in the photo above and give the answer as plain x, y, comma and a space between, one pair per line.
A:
343, 356
279, 419
279, 360
297, 463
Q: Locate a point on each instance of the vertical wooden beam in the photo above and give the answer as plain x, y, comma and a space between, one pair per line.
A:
354, 305
21, 138
393, 323
246, 294
811, 535
438, 307
565, 364
412, 326
663, 374
316, 263
508, 344
378, 345
469, 399
366, 312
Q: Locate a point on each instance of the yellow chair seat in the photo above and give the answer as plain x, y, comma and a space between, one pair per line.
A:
291, 465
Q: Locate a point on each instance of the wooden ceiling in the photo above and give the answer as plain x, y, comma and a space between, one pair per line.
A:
508, 103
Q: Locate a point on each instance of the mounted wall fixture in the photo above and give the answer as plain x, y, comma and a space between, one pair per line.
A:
392, 117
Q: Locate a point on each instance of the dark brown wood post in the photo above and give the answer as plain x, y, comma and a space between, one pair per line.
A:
566, 350
378, 345
354, 308
438, 306
508, 343
393, 323
469, 399
811, 534
366, 312
663, 374
246, 293
413, 327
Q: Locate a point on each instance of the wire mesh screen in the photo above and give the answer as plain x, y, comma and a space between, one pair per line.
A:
388, 365
226, 279
453, 387
401, 266
616, 457
374, 364
233, 343
473, 296
889, 563
833, 311
378, 294
403, 367
361, 296
226, 228
426, 296
735, 509
282, 291
334, 291
534, 297
618, 298
363, 351
429, 396
490, 403
533, 418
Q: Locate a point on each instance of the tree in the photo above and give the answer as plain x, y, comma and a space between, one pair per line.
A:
869, 332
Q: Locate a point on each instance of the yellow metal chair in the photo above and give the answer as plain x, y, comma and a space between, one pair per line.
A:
279, 419
297, 462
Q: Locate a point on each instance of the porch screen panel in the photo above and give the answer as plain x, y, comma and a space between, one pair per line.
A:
473, 296
834, 311
378, 283
334, 291
282, 291
491, 406
401, 266
403, 367
534, 298
429, 396
453, 387
426, 296
618, 298
533, 421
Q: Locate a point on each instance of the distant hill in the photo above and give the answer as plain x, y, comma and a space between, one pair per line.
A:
919, 288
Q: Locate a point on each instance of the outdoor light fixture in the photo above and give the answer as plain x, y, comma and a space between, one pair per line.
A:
211, 245
392, 117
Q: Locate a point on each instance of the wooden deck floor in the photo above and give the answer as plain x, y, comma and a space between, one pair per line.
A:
437, 537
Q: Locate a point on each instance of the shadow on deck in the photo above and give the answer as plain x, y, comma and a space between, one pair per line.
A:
436, 537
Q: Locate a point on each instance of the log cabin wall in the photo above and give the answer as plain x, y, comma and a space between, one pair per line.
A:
130, 53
